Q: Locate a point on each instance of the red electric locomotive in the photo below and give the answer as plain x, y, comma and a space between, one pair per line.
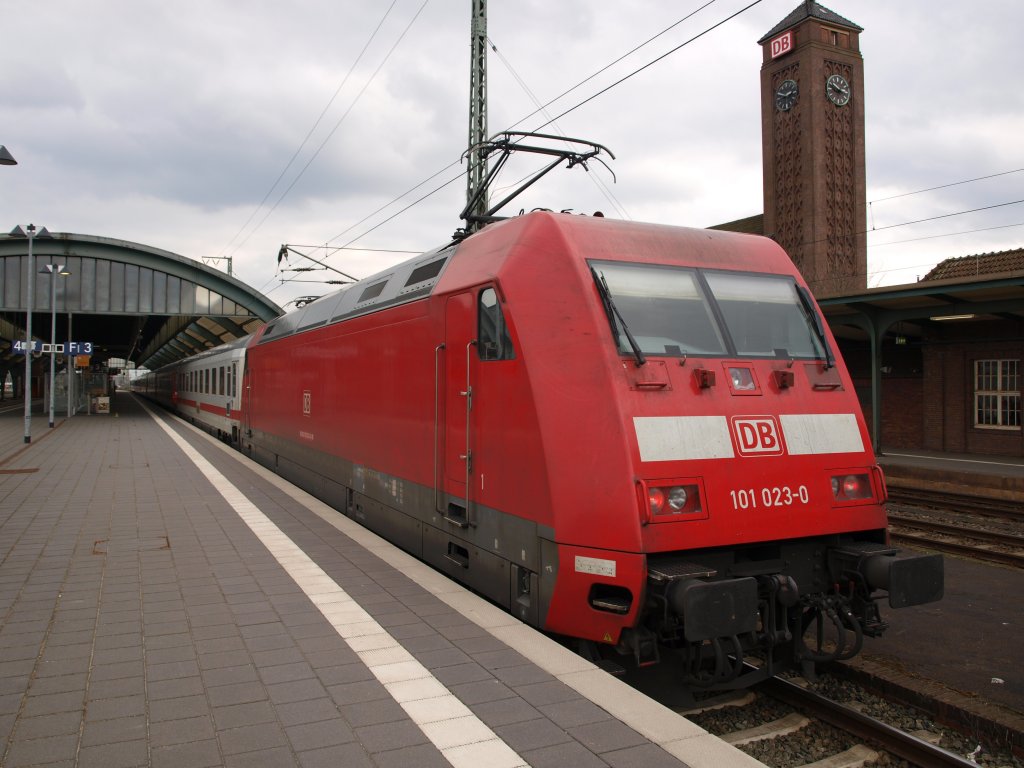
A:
636, 436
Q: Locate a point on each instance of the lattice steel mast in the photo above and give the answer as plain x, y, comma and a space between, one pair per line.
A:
476, 181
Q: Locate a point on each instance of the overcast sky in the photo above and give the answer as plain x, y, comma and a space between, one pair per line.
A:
168, 124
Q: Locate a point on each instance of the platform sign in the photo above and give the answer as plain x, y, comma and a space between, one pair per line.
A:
782, 44
79, 347
21, 346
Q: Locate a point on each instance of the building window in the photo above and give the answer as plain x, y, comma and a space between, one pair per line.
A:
997, 394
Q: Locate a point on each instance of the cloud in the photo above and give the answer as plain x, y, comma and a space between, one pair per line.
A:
168, 124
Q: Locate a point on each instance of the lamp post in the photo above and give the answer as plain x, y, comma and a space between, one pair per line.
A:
31, 234
53, 270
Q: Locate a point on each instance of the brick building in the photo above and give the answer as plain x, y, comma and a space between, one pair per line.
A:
949, 355
937, 363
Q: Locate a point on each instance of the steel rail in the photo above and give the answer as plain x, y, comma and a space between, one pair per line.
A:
978, 553
956, 502
900, 743
990, 537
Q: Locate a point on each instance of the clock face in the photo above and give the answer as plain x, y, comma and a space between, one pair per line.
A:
785, 97
838, 90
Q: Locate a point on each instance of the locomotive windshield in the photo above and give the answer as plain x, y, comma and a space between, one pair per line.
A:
677, 311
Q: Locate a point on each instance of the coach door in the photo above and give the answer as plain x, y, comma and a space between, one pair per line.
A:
245, 410
457, 362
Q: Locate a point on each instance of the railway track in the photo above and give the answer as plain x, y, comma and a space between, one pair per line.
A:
1003, 509
863, 739
993, 546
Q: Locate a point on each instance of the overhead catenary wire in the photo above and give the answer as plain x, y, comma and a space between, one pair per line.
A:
316, 124
588, 99
598, 182
337, 124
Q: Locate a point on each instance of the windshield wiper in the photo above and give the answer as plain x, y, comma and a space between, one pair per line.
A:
819, 327
612, 311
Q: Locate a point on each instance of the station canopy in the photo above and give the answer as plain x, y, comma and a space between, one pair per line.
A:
126, 300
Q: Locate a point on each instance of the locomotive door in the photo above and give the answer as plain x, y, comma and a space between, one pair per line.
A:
460, 338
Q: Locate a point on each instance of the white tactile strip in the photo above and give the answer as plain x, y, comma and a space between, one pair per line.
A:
689, 743
463, 739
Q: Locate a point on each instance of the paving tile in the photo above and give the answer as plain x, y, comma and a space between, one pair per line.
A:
345, 673
607, 736
46, 726
642, 756
173, 689
270, 642
484, 690
239, 715
54, 652
172, 670
113, 731
184, 731
461, 673
569, 714
313, 711
324, 733
347, 755
228, 675
286, 673
224, 659
62, 684
388, 736
425, 756
562, 755
280, 757
124, 754
171, 654
177, 709
116, 671
532, 734
250, 738
300, 690
539, 694
237, 693
49, 704
39, 751
505, 712
168, 641
217, 644
262, 630
109, 689
199, 754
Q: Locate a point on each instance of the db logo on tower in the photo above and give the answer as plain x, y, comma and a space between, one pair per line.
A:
757, 435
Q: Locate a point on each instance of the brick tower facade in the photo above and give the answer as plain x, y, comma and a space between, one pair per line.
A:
812, 133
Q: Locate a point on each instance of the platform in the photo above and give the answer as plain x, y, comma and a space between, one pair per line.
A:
166, 602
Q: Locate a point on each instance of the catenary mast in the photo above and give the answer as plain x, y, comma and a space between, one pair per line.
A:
477, 114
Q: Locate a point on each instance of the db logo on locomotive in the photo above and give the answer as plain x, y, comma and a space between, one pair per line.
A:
757, 436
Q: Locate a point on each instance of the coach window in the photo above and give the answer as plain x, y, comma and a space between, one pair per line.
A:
493, 340
221, 388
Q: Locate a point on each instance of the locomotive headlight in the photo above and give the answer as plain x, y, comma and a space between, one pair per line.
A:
667, 502
677, 498
742, 379
851, 487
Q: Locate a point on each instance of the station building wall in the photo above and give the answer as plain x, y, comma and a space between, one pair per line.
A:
929, 388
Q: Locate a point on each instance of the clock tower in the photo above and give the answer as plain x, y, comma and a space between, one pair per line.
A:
812, 134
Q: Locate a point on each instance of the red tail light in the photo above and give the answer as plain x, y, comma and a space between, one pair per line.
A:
656, 500
851, 487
